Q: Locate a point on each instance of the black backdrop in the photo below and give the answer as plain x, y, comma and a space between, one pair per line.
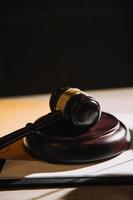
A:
46, 45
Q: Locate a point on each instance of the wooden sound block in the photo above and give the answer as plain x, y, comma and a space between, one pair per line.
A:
60, 144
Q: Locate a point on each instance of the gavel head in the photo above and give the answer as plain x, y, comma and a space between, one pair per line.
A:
76, 106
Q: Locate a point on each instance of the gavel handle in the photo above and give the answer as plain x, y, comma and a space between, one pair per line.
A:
13, 137
43, 122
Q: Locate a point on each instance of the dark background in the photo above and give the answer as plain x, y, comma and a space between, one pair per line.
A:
46, 45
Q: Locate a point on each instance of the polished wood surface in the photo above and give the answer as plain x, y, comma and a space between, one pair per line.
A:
16, 112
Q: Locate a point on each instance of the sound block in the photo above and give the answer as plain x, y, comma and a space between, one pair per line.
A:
61, 144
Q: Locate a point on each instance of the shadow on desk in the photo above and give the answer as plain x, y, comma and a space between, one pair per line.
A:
103, 192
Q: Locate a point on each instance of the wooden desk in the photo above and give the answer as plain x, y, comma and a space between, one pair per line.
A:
16, 112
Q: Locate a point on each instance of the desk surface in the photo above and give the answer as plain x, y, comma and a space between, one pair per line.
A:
17, 111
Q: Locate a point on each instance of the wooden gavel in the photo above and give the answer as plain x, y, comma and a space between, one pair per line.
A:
74, 131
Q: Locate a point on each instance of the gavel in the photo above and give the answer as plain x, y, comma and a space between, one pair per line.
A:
76, 130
